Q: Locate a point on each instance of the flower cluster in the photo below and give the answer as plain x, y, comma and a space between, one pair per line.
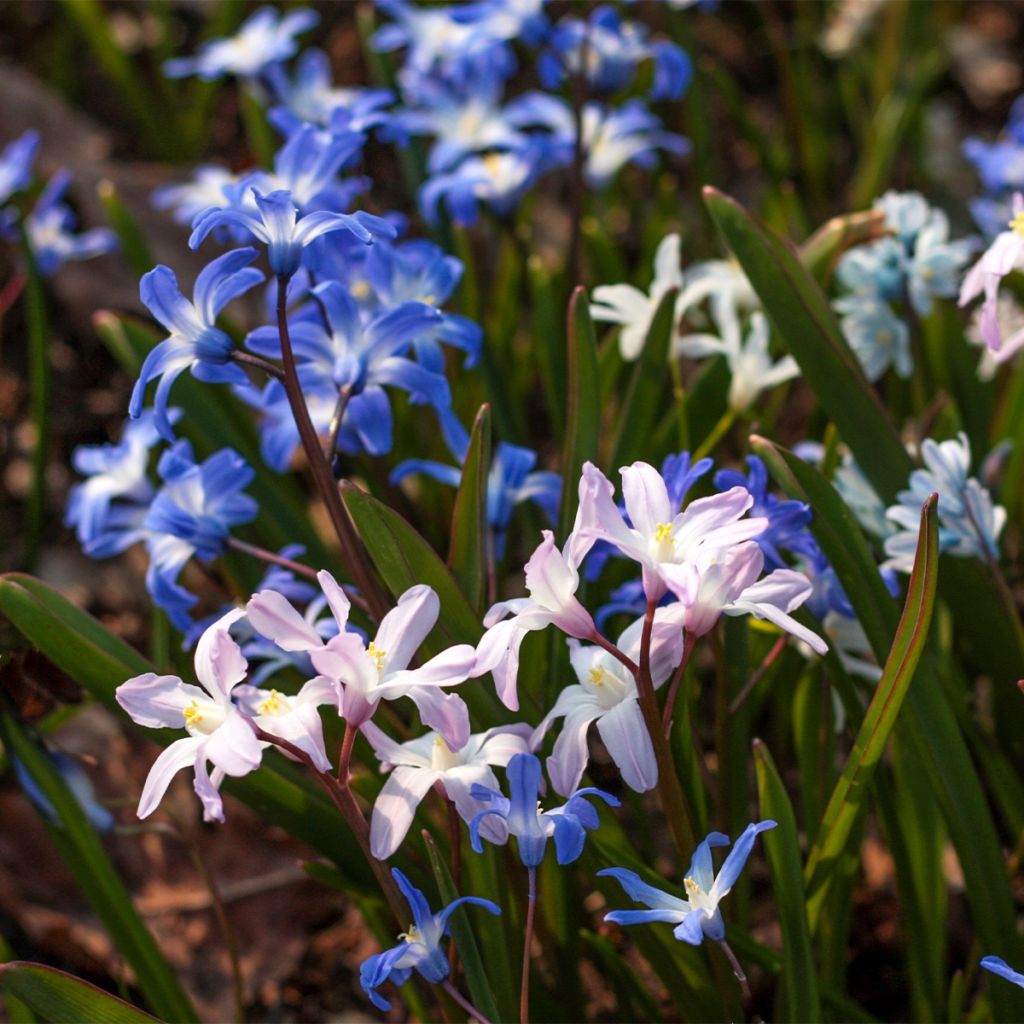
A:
896, 278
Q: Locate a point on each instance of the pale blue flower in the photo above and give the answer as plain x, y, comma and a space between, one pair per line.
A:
697, 917
420, 948
878, 337
210, 186
16, 164
265, 38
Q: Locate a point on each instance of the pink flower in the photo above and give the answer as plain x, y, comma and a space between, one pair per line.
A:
659, 536
552, 578
1002, 256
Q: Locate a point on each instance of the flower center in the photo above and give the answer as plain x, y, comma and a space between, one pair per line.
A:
412, 935
1017, 224
663, 532
271, 705
376, 655
441, 756
193, 716
359, 289
597, 674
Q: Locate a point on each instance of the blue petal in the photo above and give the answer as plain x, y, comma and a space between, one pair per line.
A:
702, 870
421, 914
738, 855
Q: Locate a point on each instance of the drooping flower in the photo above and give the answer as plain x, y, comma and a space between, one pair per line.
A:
606, 694
420, 947
265, 38
532, 827
419, 764
697, 917
626, 305
193, 342
77, 782
552, 577
16, 164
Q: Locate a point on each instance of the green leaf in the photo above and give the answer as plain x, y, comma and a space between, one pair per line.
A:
59, 997
98, 661
800, 314
469, 953
634, 1001
645, 395
82, 851
847, 801
134, 247
468, 552
583, 416
782, 847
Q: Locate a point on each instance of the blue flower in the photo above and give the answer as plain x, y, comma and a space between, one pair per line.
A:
192, 514
614, 50
116, 472
510, 480
997, 965
279, 227
697, 917
50, 229
532, 827
787, 520
264, 39
77, 782
878, 337
16, 164
211, 185
420, 948
193, 342
361, 358
310, 97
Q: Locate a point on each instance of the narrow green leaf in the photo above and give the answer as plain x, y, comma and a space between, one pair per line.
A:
800, 313
583, 416
465, 942
469, 550
647, 386
58, 997
17, 1011
83, 853
848, 796
134, 247
782, 847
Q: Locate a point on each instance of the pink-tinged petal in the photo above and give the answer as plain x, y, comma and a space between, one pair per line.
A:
550, 581
973, 283
624, 733
702, 519
498, 653
683, 579
457, 785
406, 626
570, 755
569, 700
391, 752
498, 611
157, 701
357, 708
449, 668
599, 518
646, 497
320, 690
666, 647
503, 742
785, 588
782, 620
1003, 253
395, 808
207, 788
344, 658
233, 747
445, 713
337, 599
273, 616
220, 663
303, 728
988, 324
172, 759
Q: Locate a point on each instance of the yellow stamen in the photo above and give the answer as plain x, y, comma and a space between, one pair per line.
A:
272, 705
492, 162
597, 675
412, 935
1017, 224
663, 531
359, 289
377, 655
193, 716
691, 885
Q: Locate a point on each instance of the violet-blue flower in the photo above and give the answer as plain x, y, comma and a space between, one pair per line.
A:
420, 947
194, 342
16, 164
